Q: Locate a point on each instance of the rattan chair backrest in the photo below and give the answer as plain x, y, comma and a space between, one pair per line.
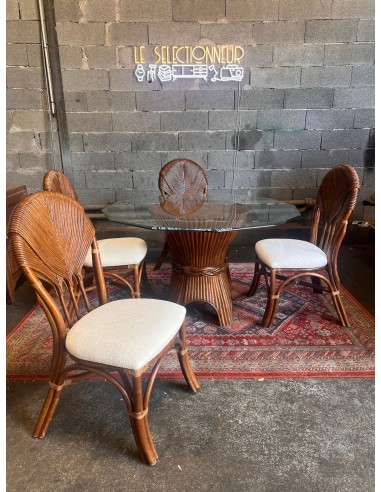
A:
335, 202
50, 237
182, 176
58, 182
183, 185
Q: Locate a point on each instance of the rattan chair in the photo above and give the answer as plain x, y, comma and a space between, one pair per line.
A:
183, 186
290, 260
120, 256
119, 341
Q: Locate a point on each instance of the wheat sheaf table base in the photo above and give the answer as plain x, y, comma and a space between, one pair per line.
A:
200, 270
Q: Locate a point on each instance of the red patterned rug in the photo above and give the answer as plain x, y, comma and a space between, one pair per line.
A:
304, 341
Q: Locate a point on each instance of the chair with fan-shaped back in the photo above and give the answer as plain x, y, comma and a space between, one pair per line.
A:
183, 186
120, 256
290, 260
50, 236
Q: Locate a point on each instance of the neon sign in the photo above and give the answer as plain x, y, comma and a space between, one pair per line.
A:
218, 63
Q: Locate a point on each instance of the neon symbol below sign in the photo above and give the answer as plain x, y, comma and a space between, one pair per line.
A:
170, 73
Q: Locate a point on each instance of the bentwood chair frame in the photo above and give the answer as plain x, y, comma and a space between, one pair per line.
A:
335, 202
50, 235
183, 185
56, 181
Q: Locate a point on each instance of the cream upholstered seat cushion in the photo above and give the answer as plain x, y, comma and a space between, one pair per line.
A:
119, 251
127, 333
290, 253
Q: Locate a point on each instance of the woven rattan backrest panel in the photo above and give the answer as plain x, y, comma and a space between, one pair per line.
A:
58, 182
338, 192
183, 186
51, 234
335, 202
182, 177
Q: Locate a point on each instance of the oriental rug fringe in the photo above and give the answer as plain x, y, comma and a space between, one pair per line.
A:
306, 339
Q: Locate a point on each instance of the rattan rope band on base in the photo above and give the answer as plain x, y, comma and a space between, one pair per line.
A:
199, 271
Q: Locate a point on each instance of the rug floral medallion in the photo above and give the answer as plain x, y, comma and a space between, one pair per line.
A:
305, 340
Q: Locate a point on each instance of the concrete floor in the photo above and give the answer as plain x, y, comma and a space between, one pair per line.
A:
291, 435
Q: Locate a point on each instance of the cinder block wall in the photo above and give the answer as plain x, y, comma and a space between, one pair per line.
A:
305, 104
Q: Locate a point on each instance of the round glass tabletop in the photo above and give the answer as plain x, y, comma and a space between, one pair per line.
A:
220, 210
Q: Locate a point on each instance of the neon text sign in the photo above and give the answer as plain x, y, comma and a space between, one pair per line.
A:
214, 63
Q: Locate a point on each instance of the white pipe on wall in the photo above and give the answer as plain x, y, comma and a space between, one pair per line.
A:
45, 55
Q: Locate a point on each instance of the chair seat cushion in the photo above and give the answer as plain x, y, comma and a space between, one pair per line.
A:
127, 333
290, 253
119, 251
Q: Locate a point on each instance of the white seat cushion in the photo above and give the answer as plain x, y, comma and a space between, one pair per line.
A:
290, 253
119, 251
127, 333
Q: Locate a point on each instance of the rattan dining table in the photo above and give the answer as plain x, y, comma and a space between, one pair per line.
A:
199, 235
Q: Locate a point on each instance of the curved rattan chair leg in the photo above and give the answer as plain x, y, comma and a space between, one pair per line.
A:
187, 370
183, 356
339, 306
139, 425
272, 301
273, 312
162, 256
336, 297
47, 412
142, 436
137, 275
149, 437
256, 280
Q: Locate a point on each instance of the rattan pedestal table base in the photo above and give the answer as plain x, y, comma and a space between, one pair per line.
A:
200, 270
